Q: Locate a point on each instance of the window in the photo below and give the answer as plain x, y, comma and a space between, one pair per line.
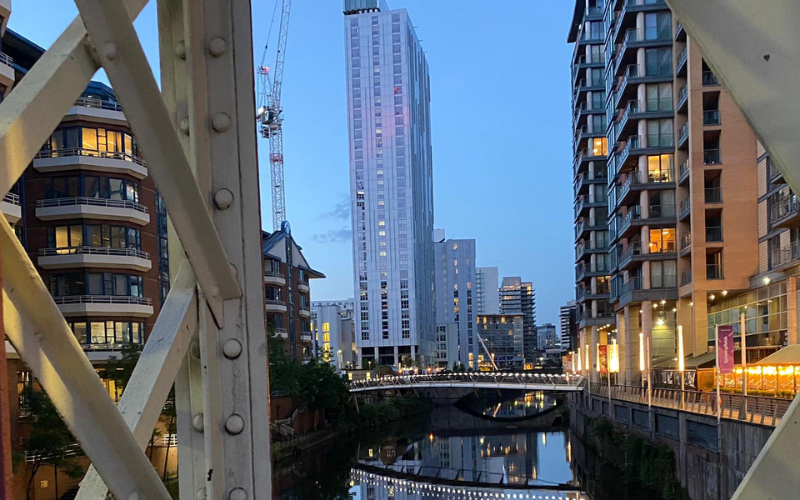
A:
660, 133
659, 97
659, 168
62, 285
663, 274
658, 26
91, 186
598, 100
658, 62
662, 240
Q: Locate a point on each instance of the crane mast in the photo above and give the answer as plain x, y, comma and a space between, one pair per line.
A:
270, 117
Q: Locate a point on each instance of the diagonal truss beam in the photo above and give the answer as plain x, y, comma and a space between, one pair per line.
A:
148, 388
57, 360
121, 54
752, 48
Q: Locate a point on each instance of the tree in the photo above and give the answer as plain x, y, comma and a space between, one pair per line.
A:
49, 442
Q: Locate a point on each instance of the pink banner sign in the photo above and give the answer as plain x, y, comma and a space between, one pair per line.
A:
725, 349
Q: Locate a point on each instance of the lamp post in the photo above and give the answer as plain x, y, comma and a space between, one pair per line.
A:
613, 367
681, 364
742, 332
641, 360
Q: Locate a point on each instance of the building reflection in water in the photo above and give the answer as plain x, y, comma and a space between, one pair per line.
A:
524, 406
534, 465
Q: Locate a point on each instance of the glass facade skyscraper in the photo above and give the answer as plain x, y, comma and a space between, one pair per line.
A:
391, 186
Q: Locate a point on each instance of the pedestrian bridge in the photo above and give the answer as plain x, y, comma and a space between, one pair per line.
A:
524, 381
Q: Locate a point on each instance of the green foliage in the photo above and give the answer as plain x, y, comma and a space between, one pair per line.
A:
120, 369
649, 464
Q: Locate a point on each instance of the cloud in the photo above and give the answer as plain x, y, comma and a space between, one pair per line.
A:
334, 236
341, 211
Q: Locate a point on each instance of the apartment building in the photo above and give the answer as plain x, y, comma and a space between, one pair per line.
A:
568, 318
334, 333
487, 283
287, 292
519, 297
665, 183
503, 336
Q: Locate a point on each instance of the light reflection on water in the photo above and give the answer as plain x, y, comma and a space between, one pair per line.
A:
523, 406
534, 465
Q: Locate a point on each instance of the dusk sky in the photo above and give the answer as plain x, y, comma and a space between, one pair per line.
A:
502, 162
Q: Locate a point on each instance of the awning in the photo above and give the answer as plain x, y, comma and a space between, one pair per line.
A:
705, 360
789, 355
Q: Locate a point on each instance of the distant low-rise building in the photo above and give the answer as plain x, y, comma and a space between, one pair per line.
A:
502, 335
334, 333
569, 325
287, 292
546, 337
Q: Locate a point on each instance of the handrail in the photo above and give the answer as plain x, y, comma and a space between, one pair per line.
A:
555, 381
274, 302
274, 274
102, 299
97, 202
98, 103
66, 152
11, 198
89, 250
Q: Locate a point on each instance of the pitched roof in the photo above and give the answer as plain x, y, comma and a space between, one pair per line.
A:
789, 355
273, 250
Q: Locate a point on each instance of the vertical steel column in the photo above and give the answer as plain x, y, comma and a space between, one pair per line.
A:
6, 473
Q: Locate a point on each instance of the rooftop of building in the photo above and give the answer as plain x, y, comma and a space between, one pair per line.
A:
577, 20
272, 250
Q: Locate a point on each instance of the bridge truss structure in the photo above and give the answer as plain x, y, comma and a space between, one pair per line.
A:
527, 381
199, 140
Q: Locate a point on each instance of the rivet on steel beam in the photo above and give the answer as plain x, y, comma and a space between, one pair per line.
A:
234, 424
216, 46
221, 122
197, 422
180, 50
223, 199
232, 349
215, 292
194, 349
134, 496
201, 494
185, 126
234, 270
110, 51
237, 494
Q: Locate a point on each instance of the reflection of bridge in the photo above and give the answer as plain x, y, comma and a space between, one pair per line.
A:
419, 486
523, 381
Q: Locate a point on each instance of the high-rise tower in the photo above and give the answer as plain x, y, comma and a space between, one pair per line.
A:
391, 186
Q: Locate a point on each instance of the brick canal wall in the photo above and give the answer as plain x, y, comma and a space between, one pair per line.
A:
710, 460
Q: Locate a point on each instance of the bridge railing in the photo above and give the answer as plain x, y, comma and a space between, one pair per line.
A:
556, 381
762, 410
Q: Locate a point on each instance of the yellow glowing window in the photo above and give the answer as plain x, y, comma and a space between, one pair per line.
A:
381, 223
326, 327
381, 233
600, 146
383, 254
455, 246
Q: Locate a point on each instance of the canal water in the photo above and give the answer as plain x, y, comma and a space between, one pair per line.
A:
492, 456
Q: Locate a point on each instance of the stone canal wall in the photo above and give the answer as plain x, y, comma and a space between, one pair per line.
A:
710, 460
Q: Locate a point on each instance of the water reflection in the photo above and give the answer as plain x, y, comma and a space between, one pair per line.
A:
524, 466
523, 406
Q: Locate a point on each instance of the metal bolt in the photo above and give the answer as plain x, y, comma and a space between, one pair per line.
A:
234, 424
232, 349
110, 51
223, 199
180, 50
216, 46
194, 349
215, 291
134, 496
198, 423
233, 270
185, 126
237, 494
201, 494
221, 122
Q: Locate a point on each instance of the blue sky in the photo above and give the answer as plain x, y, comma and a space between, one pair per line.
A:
501, 135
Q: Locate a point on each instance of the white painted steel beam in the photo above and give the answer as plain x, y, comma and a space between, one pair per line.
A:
146, 392
113, 35
752, 48
54, 356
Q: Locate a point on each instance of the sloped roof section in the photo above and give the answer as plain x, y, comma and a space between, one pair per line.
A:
789, 355
274, 247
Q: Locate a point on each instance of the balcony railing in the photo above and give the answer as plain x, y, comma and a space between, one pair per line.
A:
713, 233
783, 207
712, 157
274, 302
711, 117
683, 96
682, 56
686, 278
661, 211
6, 59
87, 250
683, 170
11, 198
683, 133
713, 195
631, 285
95, 102
102, 299
686, 205
785, 254
96, 202
686, 240
629, 251
273, 274
115, 155
714, 272
635, 213
709, 79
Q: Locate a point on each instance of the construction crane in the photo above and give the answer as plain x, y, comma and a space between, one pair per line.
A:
270, 113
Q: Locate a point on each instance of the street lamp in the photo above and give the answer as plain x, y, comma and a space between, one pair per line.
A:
681, 363
613, 365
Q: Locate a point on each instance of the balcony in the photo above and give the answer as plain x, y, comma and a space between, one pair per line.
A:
712, 157
680, 65
683, 135
680, 33
711, 117
305, 337
683, 171
304, 311
627, 16
713, 234
274, 278
710, 79
104, 305
634, 214
686, 278
11, 208
627, 255
713, 195
582, 249
92, 208
784, 210
683, 98
282, 333
714, 272
275, 306
302, 287
685, 208
95, 109
600, 318
686, 243
59, 160
94, 257
780, 257
7, 75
